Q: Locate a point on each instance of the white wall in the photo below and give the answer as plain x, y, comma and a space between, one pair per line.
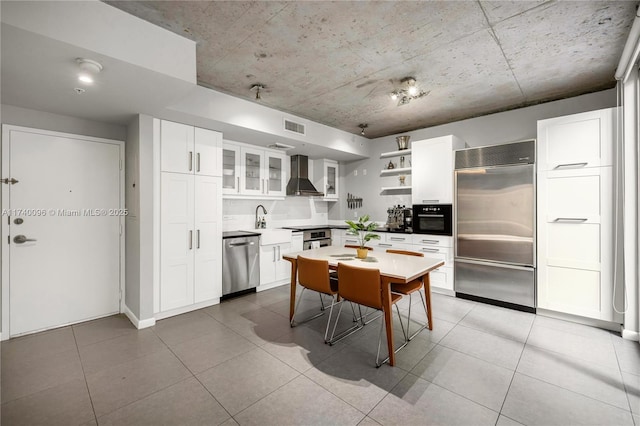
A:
491, 129
61, 123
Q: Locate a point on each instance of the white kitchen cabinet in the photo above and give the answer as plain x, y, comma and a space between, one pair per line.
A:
253, 172
432, 169
190, 240
297, 242
325, 176
575, 216
577, 141
437, 247
188, 149
272, 267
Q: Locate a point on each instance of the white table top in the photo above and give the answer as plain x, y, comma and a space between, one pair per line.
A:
400, 266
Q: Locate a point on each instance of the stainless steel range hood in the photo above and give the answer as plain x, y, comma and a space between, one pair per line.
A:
299, 184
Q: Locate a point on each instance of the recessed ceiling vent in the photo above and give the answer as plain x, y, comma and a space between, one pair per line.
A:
294, 127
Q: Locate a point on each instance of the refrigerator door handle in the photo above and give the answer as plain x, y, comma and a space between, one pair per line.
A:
520, 267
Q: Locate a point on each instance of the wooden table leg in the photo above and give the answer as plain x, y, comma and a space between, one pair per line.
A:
427, 298
294, 282
386, 303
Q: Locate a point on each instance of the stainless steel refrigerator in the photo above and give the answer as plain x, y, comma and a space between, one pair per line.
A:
495, 224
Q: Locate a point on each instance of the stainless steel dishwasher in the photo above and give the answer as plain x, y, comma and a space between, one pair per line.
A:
240, 262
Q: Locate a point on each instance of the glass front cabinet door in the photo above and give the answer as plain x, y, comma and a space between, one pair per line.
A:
231, 169
276, 179
331, 179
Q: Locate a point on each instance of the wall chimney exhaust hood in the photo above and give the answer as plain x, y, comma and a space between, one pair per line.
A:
299, 184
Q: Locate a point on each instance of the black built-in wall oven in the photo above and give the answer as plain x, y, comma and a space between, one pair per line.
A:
435, 219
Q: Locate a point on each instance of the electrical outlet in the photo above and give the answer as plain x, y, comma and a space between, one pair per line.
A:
355, 214
355, 172
364, 172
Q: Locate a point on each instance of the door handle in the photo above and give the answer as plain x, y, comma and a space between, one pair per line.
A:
21, 239
190, 160
198, 239
238, 184
198, 162
190, 240
570, 219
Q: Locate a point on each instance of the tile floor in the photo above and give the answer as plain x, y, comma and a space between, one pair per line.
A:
240, 363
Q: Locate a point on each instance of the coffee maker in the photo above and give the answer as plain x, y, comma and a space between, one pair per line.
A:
400, 219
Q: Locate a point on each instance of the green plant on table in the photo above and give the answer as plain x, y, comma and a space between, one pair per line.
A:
362, 230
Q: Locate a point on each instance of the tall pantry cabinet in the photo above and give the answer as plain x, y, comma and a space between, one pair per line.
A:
575, 215
190, 215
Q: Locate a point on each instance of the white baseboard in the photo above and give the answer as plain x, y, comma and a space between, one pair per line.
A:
592, 322
149, 322
185, 309
630, 335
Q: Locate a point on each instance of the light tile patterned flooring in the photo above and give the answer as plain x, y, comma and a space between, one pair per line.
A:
240, 363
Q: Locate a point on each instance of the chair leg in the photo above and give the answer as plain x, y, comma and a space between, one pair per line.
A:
425, 325
326, 331
405, 343
345, 333
295, 310
322, 308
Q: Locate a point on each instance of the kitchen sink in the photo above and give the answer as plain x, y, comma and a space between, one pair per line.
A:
273, 235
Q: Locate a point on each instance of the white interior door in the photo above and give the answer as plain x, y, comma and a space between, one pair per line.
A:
67, 201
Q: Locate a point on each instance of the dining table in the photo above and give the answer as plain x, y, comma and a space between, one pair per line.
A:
394, 268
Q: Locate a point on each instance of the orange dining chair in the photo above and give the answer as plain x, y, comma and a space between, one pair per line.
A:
314, 275
410, 288
362, 286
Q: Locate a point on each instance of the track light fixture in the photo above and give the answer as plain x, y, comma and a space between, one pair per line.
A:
258, 87
362, 127
407, 92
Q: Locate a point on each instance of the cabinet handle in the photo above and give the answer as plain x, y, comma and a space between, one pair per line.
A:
190, 240
198, 162
430, 250
266, 185
238, 184
429, 241
559, 166
430, 201
397, 239
385, 245
274, 254
570, 219
190, 160
198, 239
351, 241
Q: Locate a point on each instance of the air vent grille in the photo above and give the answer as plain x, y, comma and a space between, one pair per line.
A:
292, 126
281, 146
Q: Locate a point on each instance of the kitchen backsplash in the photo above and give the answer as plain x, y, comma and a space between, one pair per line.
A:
292, 211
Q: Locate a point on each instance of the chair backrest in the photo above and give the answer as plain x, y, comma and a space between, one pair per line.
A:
352, 246
360, 285
407, 252
314, 274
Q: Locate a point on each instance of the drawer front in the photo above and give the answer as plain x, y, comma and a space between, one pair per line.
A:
432, 240
441, 280
441, 253
398, 238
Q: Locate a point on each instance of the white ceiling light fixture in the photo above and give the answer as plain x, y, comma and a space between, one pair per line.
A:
88, 70
407, 92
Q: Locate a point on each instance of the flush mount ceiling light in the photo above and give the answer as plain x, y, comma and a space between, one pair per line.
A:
407, 92
362, 127
258, 87
88, 70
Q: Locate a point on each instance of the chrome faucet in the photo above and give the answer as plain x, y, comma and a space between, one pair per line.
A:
263, 223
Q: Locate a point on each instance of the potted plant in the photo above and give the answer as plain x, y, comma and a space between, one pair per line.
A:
362, 230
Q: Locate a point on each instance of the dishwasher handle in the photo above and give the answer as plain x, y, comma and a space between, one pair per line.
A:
248, 243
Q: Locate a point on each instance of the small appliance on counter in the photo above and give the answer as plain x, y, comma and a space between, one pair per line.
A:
399, 219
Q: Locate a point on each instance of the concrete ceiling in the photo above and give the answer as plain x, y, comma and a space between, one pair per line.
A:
336, 62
